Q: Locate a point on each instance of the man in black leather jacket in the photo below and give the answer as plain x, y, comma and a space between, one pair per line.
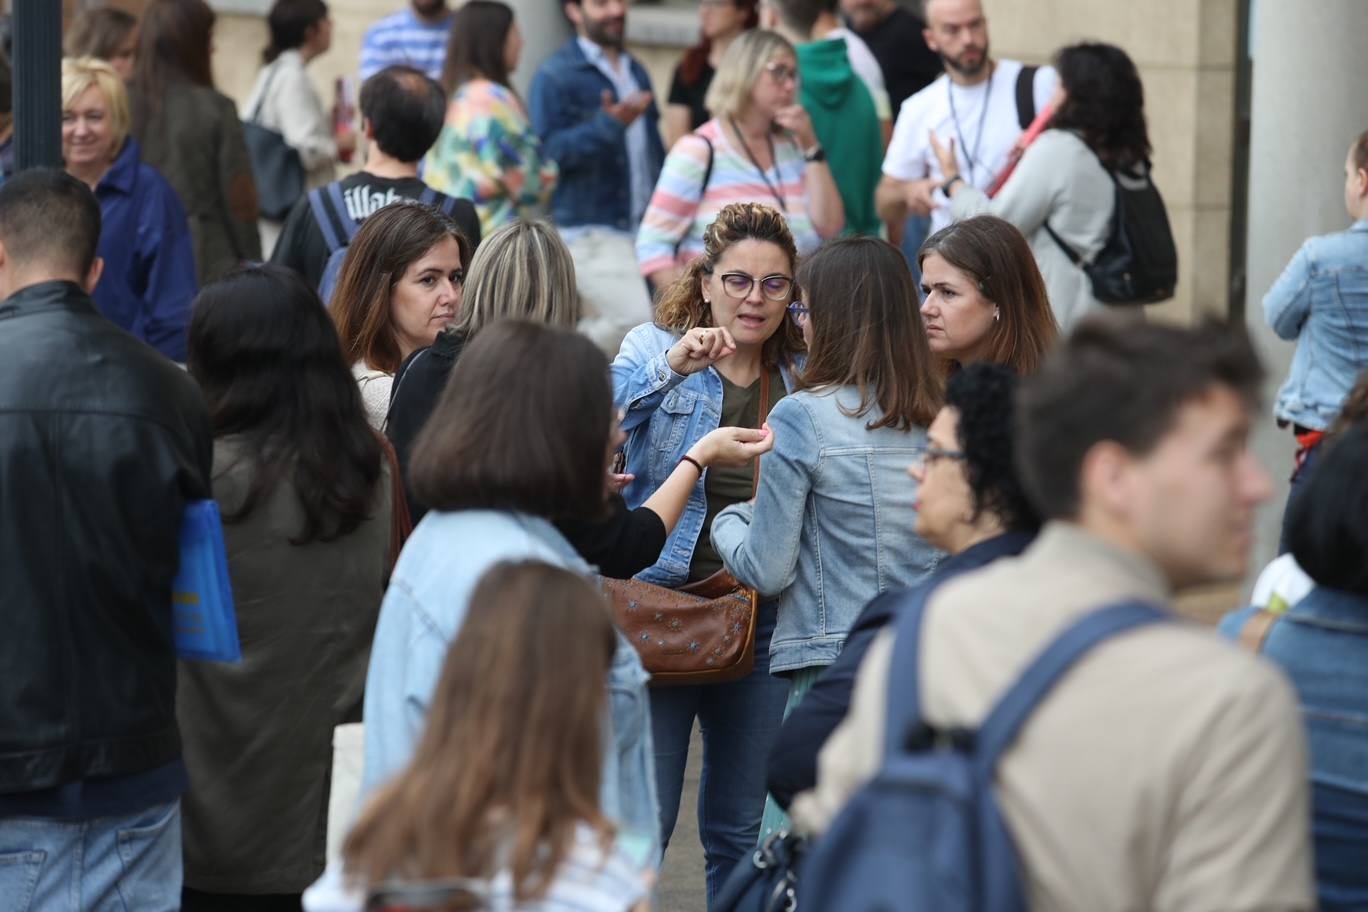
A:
102, 443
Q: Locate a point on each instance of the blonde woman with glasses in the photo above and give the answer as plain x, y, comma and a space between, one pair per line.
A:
759, 147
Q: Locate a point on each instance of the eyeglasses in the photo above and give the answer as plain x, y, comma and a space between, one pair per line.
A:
782, 72
774, 287
799, 312
933, 454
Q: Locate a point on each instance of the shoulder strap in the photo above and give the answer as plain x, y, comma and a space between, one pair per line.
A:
1068, 251
330, 212
438, 200
764, 413
708, 168
903, 716
1000, 729
265, 91
1025, 96
1255, 631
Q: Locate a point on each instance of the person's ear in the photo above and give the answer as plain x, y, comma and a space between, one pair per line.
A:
367, 129
1104, 481
92, 276
572, 12
1362, 180
930, 38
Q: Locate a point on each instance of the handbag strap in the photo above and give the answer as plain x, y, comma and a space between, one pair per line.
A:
401, 525
764, 413
265, 91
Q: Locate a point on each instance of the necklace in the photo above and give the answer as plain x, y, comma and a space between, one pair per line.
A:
971, 156
783, 204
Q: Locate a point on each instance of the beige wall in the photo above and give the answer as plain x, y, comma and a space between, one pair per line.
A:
1185, 50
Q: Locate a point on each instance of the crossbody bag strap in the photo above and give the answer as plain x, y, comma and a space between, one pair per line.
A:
764, 413
265, 92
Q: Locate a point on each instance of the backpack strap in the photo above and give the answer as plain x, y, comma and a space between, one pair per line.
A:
1068, 251
1025, 96
1000, 729
904, 729
330, 213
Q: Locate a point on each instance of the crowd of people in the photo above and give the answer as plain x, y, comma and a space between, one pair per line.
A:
789, 411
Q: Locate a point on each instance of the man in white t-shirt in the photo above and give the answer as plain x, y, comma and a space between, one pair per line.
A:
981, 103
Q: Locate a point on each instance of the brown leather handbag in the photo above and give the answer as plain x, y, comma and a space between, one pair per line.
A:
702, 633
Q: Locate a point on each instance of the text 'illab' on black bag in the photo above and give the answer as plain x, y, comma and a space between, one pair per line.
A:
1139, 263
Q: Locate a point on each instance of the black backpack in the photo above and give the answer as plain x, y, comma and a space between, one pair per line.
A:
1139, 262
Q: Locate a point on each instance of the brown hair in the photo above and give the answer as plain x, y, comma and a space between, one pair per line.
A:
387, 243
996, 256
695, 59
867, 332
475, 47
1361, 152
175, 42
523, 424
510, 758
1355, 408
681, 306
98, 33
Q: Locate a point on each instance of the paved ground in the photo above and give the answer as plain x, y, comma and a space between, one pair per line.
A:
681, 879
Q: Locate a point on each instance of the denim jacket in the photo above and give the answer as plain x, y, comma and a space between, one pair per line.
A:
422, 614
833, 524
1321, 301
586, 142
1322, 645
665, 414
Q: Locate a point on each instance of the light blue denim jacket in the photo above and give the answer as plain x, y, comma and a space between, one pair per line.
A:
421, 614
1321, 301
832, 526
664, 414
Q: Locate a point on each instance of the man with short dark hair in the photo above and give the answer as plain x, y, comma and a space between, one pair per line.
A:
1167, 769
402, 112
591, 105
103, 442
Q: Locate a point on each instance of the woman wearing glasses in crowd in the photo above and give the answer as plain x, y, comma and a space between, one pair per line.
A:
833, 522
759, 146
721, 343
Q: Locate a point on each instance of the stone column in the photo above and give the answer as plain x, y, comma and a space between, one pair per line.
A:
37, 84
544, 29
1309, 72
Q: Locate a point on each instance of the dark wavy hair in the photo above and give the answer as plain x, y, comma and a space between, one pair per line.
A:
1105, 103
289, 22
479, 31
268, 361
1327, 523
982, 394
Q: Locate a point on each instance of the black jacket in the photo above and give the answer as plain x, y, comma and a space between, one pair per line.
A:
793, 760
102, 442
621, 545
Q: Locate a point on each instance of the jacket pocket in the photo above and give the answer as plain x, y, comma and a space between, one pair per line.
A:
673, 419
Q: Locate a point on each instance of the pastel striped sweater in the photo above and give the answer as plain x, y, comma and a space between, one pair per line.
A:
680, 210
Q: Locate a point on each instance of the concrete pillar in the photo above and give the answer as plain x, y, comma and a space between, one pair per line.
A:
37, 84
1307, 105
544, 29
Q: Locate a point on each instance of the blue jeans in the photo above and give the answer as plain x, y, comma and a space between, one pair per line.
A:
129, 864
915, 233
739, 722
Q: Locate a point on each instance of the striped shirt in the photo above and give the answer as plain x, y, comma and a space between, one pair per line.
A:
586, 881
404, 39
672, 230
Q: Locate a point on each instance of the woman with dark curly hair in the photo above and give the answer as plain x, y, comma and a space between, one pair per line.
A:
1062, 191
970, 504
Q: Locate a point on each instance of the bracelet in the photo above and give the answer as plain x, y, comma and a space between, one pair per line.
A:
693, 462
815, 154
945, 187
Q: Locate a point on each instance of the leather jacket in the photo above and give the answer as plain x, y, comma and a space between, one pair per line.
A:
102, 443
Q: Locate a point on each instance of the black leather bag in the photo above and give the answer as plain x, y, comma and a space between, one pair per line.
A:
276, 165
767, 880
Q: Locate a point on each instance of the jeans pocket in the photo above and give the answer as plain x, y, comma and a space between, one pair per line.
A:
150, 853
18, 877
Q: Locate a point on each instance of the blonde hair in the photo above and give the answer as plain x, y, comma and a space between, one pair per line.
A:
681, 306
740, 67
522, 271
81, 73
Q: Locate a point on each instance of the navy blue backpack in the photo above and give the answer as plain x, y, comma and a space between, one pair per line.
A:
925, 834
339, 227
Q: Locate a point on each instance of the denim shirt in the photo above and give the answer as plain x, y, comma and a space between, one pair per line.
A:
664, 414
421, 615
588, 144
1322, 644
833, 524
1321, 301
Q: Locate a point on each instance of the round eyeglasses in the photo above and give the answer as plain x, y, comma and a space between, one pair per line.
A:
774, 287
934, 454
799, 311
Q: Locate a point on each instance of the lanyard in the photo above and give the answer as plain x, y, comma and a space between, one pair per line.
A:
773, 161
970, 156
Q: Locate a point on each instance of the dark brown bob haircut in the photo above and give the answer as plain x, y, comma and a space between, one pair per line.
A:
867, 332
387, 244
1120, 380
523, 424
681, 306
996, 256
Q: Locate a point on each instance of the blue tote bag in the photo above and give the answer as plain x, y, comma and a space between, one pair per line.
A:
201, 596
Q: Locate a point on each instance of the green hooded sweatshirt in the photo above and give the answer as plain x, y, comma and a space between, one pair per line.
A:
847, 126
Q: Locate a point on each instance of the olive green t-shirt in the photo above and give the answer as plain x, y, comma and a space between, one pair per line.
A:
726, 485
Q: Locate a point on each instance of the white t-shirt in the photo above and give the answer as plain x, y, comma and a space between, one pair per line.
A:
986, 137
866, 66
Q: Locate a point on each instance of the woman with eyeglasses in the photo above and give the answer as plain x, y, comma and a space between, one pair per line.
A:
833, 522
721, 352
399, 286
759, 146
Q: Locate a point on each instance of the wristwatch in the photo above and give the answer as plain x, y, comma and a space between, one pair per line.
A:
815, 154
945, 187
